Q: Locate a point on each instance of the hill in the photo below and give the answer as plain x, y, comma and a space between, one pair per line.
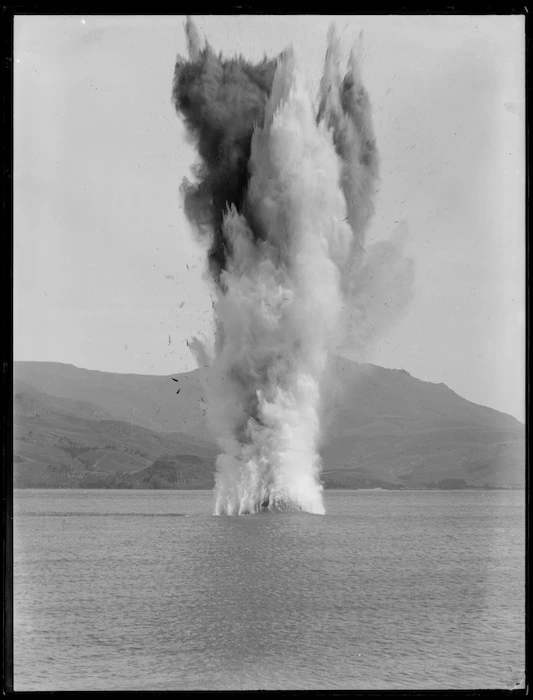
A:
78, 427
65, 443
391, 428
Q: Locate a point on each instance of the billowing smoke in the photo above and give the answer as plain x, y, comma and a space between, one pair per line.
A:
220, 101
284, 193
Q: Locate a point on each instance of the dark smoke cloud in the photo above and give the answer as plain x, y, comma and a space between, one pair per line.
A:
220, 101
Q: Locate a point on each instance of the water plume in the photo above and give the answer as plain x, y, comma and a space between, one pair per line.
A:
284, 194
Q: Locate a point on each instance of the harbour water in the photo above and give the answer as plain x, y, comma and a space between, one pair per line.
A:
146, 590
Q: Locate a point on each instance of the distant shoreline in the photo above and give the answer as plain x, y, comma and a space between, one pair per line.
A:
336, 488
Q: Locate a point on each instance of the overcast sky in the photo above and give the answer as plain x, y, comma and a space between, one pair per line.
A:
107, 274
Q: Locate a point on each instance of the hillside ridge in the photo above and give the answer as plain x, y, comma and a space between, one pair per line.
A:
79, 427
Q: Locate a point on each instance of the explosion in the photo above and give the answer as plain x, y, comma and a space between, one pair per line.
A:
283, 193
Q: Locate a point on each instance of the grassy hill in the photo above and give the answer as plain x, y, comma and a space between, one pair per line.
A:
392, 428
84, 428
66, 443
